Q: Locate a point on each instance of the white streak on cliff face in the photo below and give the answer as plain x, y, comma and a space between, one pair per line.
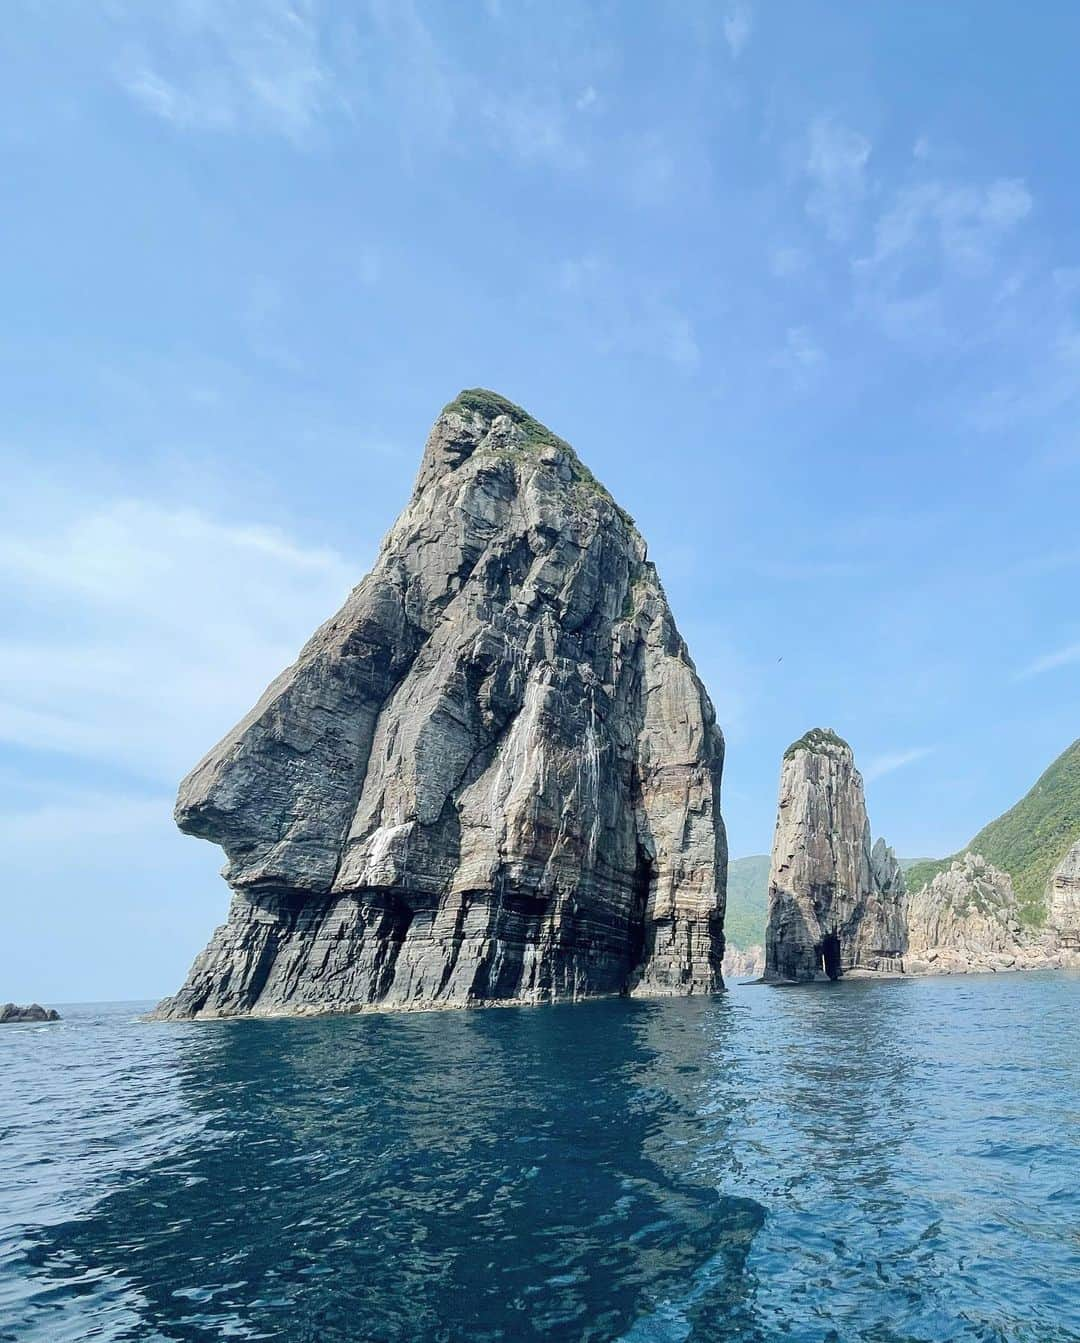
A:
481, 778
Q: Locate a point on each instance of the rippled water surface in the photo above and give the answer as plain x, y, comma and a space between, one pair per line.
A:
891, 1161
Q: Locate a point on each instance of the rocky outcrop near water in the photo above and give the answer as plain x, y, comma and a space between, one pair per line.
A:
967, 920
836, 902
11, 1014
1063, 900
494, 775
743, 963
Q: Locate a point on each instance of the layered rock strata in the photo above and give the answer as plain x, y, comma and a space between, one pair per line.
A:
1063, 900
494, 775
836, 902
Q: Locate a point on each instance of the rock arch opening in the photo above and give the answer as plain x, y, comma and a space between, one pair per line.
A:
830, 956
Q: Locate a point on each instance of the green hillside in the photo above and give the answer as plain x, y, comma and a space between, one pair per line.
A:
747, 899
1030, 839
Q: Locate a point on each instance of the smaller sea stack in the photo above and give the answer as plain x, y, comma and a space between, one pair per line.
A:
836, 902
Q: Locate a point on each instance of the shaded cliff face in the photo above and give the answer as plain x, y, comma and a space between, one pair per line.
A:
836, 903
1063, 900
494, 774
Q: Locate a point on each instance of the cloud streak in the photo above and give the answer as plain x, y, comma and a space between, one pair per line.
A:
1063, 657
164, 625
232, 67
738, 24
894, 760
836, 162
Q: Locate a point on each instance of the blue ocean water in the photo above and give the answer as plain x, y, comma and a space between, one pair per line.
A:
891, 1161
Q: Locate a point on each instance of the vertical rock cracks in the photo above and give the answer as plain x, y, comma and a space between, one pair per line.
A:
493, 775
836, 902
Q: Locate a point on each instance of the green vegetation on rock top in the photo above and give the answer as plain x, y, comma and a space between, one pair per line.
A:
490, 404
818, 739
1030, 839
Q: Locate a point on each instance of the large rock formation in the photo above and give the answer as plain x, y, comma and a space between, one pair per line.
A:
1063, 900
836, 904
493, 775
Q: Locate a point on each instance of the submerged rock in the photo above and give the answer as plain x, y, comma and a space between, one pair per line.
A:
836, 904
11, 1013
493, 775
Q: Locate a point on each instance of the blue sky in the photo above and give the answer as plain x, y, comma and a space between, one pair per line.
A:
801, 281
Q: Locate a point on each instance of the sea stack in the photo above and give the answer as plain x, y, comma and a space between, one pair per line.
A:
493, 776
836, 903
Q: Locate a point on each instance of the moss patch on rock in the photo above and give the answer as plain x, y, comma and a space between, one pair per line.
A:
481, 401
820, 740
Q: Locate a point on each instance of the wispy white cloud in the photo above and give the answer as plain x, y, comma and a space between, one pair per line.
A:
738, 24
533, 128
940, 274
787, 261
894, 760
301, 68
961, 223
1062, 657
801, 355
836, 161
164, 626
623, 317
259, 65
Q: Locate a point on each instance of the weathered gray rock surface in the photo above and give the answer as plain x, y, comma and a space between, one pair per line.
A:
836, 903
1063, 900
493, 775
967, 921
966, 918
11, 1013
743, 963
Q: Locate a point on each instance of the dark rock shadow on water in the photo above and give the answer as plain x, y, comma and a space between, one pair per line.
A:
507, 1174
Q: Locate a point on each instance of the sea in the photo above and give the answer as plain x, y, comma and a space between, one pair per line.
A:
890, 1161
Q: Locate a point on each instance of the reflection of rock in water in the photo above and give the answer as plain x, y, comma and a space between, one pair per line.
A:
424, 1177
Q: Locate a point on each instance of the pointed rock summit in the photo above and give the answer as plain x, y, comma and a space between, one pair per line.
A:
494, 775
836, 903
